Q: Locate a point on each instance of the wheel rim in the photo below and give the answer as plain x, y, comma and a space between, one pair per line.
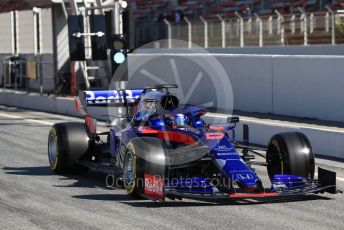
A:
275, 161
129, 172
52, 148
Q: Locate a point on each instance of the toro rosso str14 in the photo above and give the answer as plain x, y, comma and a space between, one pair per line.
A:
165, 150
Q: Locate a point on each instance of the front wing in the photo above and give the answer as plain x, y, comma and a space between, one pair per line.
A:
326, 182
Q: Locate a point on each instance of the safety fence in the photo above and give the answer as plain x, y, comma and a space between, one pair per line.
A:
301, 28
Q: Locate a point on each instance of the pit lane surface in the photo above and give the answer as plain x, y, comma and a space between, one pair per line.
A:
31, 197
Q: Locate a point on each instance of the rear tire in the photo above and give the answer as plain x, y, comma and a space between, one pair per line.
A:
290, 153
67, 143
131, 178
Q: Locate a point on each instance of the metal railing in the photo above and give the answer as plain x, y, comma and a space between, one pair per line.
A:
300, 28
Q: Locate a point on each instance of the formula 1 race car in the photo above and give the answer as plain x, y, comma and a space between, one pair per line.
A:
166, 150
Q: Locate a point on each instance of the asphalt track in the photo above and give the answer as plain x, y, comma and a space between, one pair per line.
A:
31, 197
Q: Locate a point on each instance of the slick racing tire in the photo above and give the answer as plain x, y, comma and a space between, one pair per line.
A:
290, 153
67, 142
143, 155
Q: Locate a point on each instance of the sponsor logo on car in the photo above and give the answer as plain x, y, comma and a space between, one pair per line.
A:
223, 148
226, 154
154, 186
244, 176
111, 96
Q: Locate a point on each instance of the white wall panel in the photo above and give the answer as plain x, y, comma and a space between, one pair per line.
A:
251, 79
293, 85
5, 33
306, 86
47, 31
25, 32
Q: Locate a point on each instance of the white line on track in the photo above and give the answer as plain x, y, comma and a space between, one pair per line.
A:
25, 119
340, 179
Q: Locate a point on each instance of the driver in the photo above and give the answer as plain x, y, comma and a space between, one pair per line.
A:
175, 120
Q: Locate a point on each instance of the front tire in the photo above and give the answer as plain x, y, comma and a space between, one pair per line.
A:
143, 155
290, 153
67, 143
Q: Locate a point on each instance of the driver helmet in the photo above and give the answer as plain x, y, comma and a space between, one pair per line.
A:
179, 119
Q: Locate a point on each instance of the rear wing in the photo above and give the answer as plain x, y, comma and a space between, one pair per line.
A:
120, 98
99, 98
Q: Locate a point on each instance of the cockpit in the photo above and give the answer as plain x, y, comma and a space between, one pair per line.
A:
159, 109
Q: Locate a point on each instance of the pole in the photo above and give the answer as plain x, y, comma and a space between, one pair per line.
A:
260, 23
40, 75
311, 23
241, 21
189, 32
77, 65
333, 25
74, 6
205, 31
327, 22
169, 33
270, 24
13, 42
292, 24
305, 29
98, 3
281, 25
3, 75
223, 30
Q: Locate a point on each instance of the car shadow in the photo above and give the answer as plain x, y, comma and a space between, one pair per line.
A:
88, 180
29, 171
144, 203
221, 202
105, 197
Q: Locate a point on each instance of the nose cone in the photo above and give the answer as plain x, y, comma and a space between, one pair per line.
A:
246, 181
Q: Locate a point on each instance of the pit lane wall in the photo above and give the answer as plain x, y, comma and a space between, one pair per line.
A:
325, 142
294, 85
